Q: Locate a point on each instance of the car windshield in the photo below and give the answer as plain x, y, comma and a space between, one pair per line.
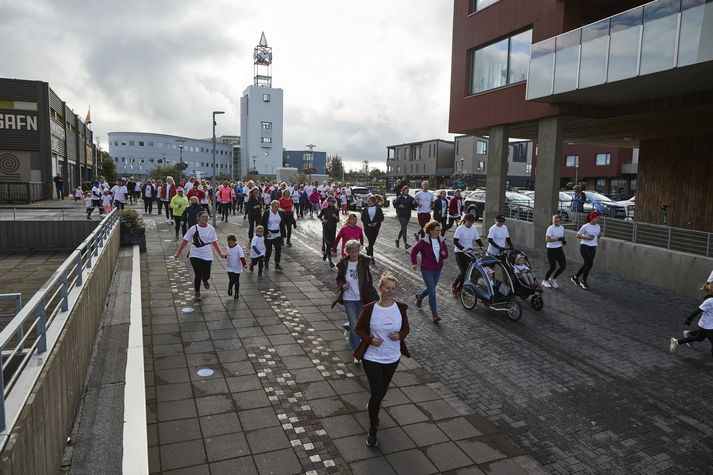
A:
565, 197
520, 198
599, 197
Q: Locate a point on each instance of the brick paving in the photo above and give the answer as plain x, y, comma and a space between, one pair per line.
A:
265, 384
586, 385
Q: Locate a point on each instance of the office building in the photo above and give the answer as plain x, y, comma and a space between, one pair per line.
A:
471, 162
427, 160
306, 161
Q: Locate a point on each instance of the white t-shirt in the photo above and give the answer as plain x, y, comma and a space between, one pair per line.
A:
384, 320
88, 202
710, 277
273, 225
520, 267
148, 191
352, 278
371, 210
436, 246
234, 255
466, 237
343, 199
309, 189
258, 243
555, 232
106, 200
424, 200
167, 188
119, 193
706, 320
295, 196
349, 191
188, 186
498, 234
590, 230
207, 235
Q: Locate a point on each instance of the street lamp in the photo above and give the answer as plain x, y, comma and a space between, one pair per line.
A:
180, 153
311, 148
213, 187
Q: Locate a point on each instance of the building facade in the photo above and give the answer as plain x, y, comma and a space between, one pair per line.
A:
636, 75
261, 118
427, 160
604, 168
471, 162
40, 138
306, 161
138, 153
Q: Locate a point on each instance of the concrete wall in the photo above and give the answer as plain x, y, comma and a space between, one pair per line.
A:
43, 235
677, 271
37, 442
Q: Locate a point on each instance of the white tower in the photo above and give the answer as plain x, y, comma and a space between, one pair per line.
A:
261, 118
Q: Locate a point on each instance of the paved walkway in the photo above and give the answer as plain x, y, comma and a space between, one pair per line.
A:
266, 384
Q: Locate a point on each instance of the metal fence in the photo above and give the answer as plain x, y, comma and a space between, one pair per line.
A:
22, 192
44, 213
25, 336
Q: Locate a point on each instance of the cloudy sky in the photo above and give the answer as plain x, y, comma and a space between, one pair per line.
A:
358, 76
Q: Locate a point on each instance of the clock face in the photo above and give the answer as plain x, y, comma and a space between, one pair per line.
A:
263, 56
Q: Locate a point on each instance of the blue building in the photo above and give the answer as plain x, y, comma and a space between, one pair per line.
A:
304, 159
138, 153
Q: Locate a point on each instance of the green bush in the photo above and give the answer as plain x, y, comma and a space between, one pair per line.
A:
130, 220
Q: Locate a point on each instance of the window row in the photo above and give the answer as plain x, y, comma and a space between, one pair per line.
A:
168, 161
501, 63
600, 159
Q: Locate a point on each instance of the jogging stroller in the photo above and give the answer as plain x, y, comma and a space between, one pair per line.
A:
488, 280
522, 290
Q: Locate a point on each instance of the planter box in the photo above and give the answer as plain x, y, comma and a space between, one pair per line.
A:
130, 237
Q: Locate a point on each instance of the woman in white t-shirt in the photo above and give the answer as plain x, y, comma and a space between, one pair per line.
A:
705, 323
465, 235
554, 239
588, 235
498, 236
382, 327
202, 236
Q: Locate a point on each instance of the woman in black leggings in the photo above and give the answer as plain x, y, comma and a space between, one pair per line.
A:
554, 237
253, 209
588, 235
202, 237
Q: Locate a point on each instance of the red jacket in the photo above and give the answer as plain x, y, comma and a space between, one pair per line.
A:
453, 206
171, 194
428, 259
195, 192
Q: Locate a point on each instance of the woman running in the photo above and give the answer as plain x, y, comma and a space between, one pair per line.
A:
275, 222
225, 201
433, 252
554, 239
588, 236
705, 323
356, 287
455, 210
440, 211
383, 327
202, 236
253, 209
403, 205
349, 231
465, 235
330, 219
371, 217
287, 205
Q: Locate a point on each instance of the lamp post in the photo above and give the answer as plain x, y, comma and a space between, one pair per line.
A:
576, 170
311, 148
213, 187
180, 154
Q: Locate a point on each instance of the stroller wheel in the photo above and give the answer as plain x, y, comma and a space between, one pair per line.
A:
514, 310
537, 302
468, 296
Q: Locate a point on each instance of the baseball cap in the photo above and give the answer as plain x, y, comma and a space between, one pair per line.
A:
180, 188
331, 198
500, 217
469, 217
593, 214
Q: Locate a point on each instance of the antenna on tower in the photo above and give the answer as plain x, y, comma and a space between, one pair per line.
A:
262, 57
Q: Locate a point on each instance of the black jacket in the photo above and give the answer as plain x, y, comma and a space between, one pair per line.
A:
378, 218
192, 214
409, 204
284, 221
331, 214
253, 208
438, 208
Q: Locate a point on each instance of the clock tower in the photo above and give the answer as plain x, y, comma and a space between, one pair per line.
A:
261, 114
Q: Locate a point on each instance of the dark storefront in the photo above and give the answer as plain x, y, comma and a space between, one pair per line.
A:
40, 138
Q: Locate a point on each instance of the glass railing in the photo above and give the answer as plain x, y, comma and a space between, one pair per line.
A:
657, 36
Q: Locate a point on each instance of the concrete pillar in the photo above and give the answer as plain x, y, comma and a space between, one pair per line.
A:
547, 174
497, 170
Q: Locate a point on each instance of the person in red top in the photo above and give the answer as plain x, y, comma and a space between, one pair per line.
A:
455, 210
349, 231
286, 205
433, 252
195, 191
225, 199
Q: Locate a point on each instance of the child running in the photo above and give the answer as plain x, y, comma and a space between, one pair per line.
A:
236, 262
705, 323
106, 201
343, 200
78, 194
89, 204
257, 251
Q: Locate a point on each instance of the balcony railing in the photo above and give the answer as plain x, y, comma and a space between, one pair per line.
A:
658, 36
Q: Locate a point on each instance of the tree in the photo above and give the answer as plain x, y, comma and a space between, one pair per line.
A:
298, 178
376, 173
335, 167
221, 177
108, 167
160, 173
254, 176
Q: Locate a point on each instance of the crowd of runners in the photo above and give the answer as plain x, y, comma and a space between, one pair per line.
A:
377, 321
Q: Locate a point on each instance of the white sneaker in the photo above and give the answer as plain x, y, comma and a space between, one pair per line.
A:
554, 283
674, 345
546, 284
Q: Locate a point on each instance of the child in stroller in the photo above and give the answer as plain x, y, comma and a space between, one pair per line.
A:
524, 281
523, 272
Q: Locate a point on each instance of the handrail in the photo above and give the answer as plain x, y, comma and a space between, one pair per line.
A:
25, 335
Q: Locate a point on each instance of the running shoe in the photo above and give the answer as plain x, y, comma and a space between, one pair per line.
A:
574, 280
454, 288
546, 284
674, 345
584, 285
554, 283
419, 301
206, 284
415, 236
371, 437
406, 245
278, 266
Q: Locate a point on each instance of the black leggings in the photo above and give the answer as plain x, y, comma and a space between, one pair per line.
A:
463, 262
269, 244
234, 282
379, 376
403, 221
148, 204
201, 268
555, 255
180, 221
588, 253
168, 209
224, 211
697, 335
371, 235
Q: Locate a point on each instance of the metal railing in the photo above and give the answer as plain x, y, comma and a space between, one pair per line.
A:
26, 335
34, 213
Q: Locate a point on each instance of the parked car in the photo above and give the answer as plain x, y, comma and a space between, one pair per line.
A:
565, 203
630, 206
363, 193
516, 204
603, 204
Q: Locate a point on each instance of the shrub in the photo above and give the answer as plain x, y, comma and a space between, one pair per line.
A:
130, 220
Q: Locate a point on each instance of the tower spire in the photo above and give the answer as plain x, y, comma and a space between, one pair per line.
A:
263, 40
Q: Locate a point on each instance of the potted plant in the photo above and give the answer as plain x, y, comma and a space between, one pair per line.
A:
133, 230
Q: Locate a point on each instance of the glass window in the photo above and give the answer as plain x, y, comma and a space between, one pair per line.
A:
566, 59
481, 148
141, 143
116, 144
601, 185
490, 67
539, 82
693, 46
160, 145
266, 125
519, 56
659, 40
624, 44
603, 159
478, 5
266, 98
481, 166
572, 160
123, 144
593, 63
265, 139
519, 153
